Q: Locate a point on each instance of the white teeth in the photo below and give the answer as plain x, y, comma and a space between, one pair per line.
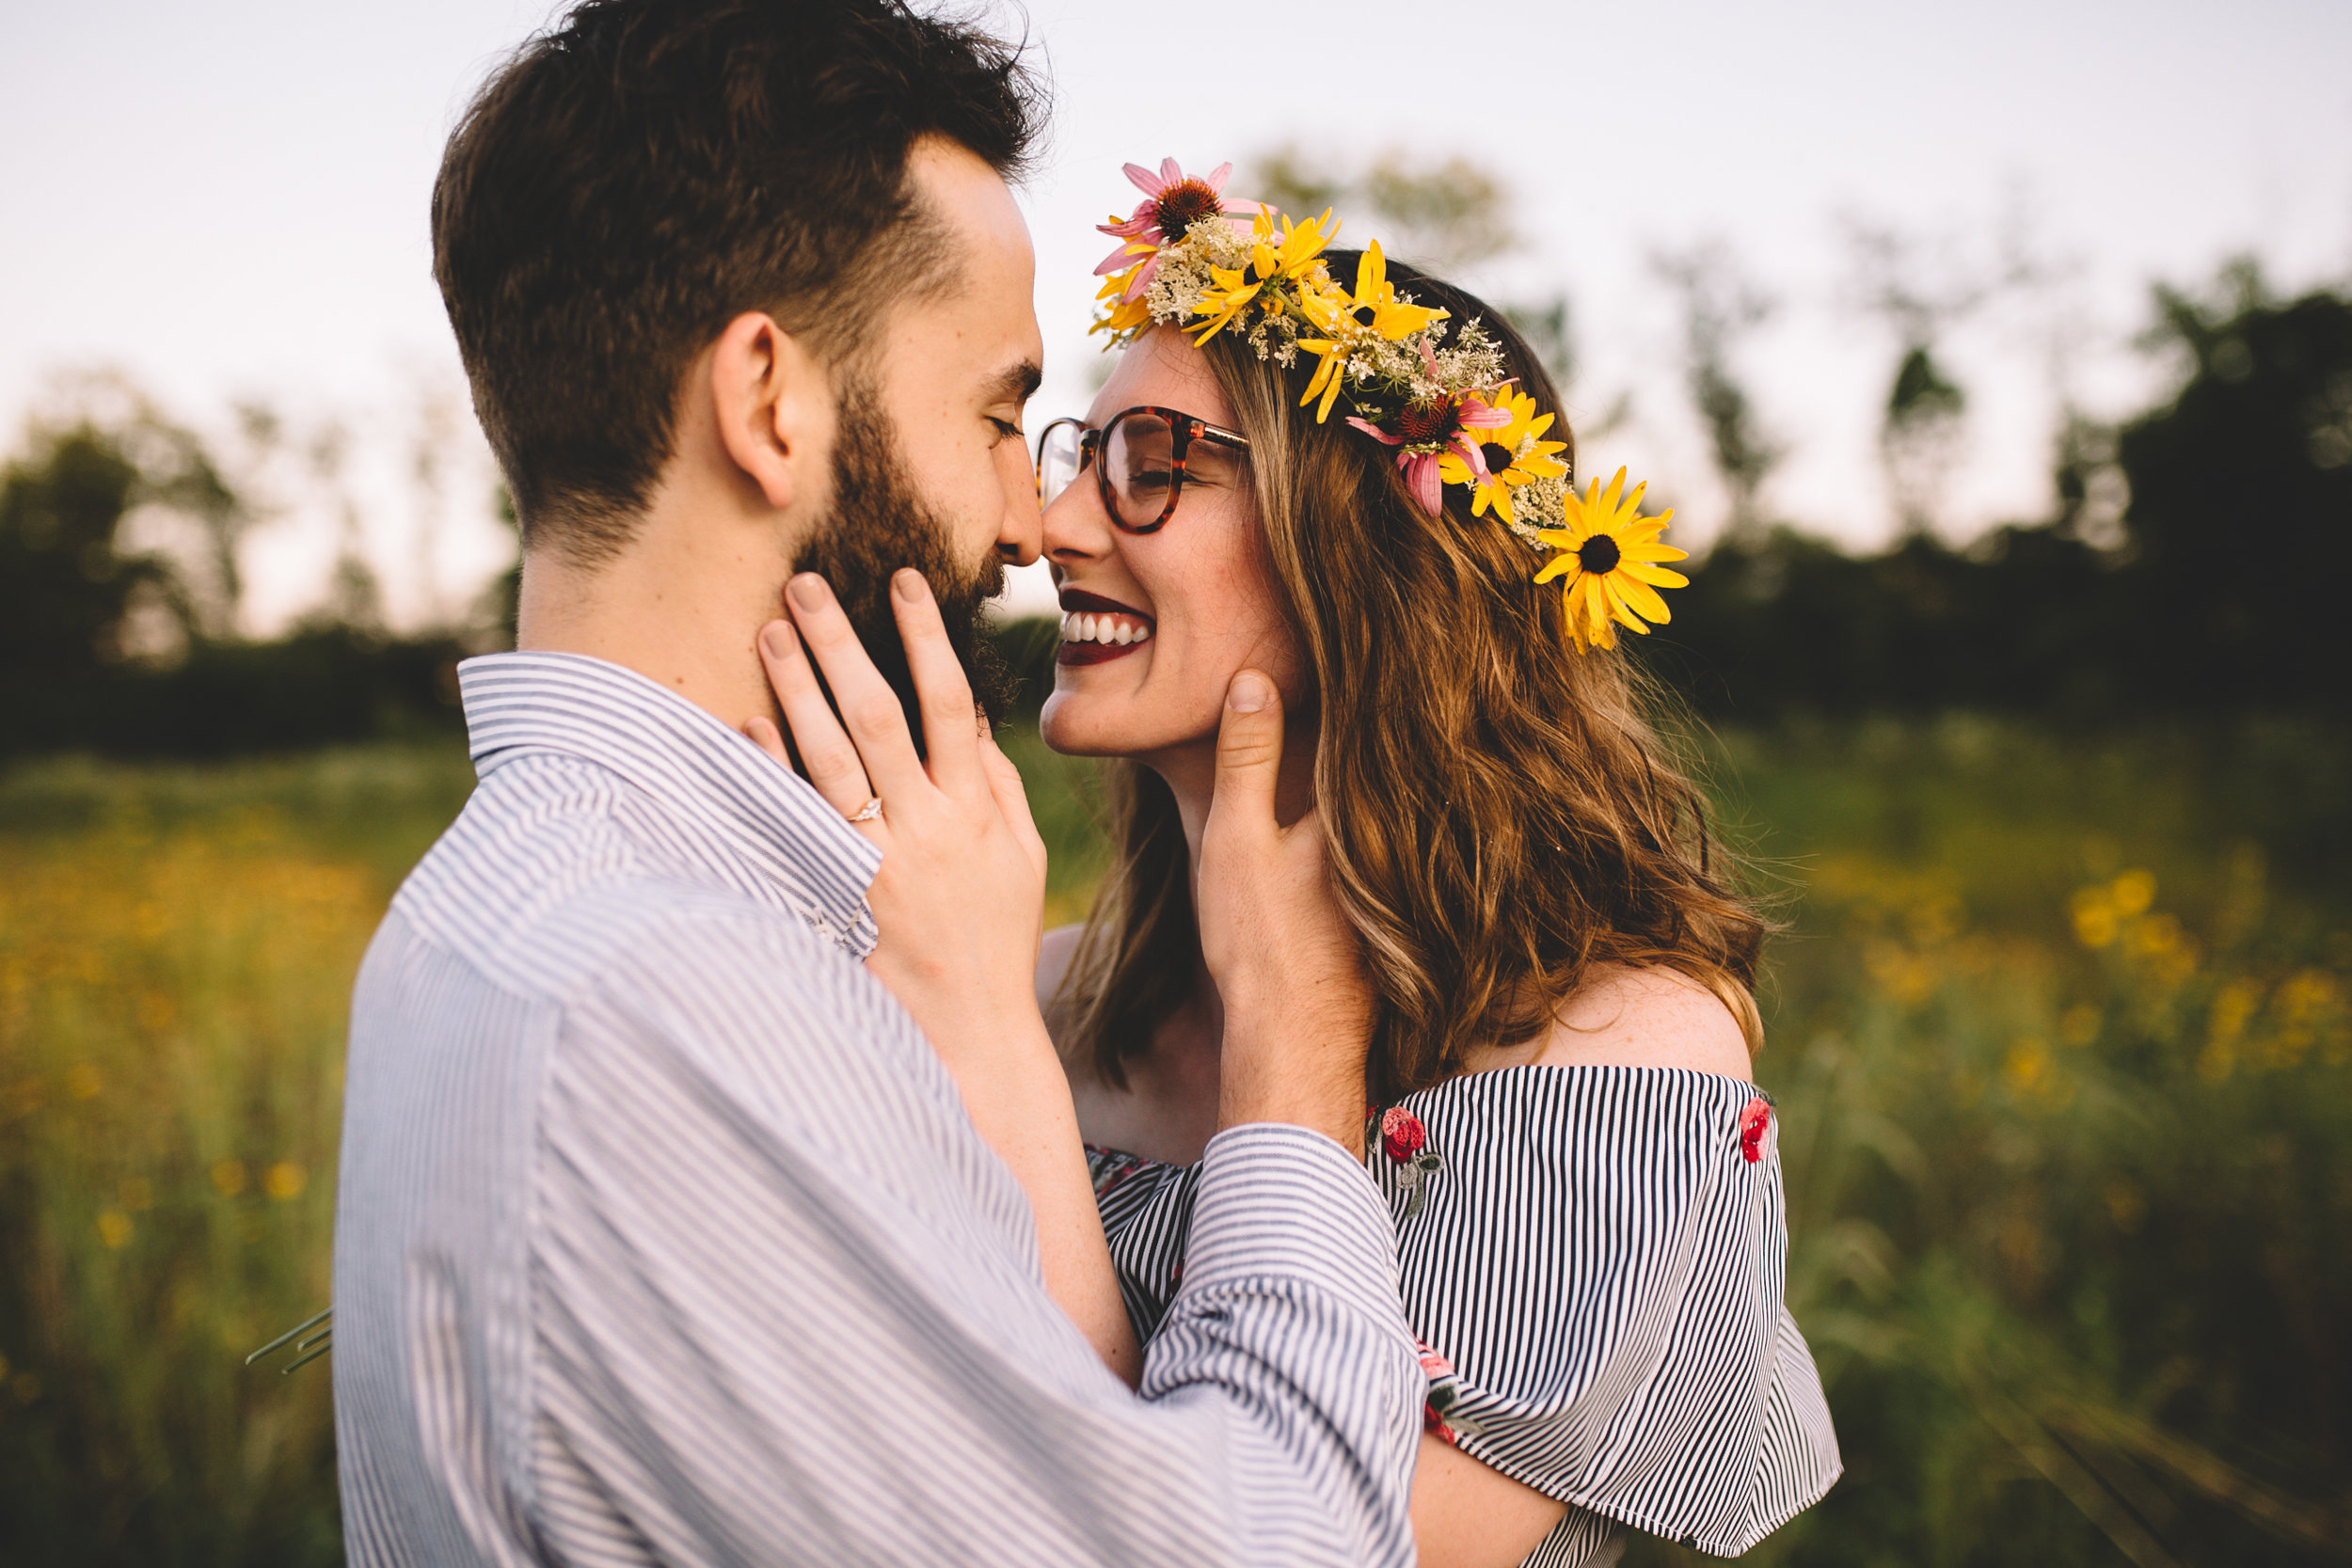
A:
1077, 628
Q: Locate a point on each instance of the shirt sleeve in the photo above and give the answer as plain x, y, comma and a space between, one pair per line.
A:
786, 1307
1599, 1253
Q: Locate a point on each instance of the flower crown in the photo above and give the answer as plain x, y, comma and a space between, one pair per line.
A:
1186, 260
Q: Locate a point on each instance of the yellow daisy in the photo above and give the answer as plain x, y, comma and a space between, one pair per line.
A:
1610, 554
1390, 317
1270, 264
1125, 314
1345, 319
1507, 467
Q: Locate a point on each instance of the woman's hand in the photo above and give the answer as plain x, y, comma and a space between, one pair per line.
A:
1288, 968
959, 901
960, 898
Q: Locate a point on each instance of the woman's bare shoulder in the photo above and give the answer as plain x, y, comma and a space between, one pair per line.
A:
1053, 952
1646, 1016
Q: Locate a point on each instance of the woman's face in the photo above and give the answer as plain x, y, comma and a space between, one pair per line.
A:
1199, 586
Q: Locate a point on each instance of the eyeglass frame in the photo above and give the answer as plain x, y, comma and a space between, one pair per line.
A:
1183, 430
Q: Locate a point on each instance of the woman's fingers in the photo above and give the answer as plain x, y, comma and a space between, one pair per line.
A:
1011, 796
826, 753
869, 708
941, 685
764, 735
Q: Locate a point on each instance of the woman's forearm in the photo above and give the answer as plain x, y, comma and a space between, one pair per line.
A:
1028, 1118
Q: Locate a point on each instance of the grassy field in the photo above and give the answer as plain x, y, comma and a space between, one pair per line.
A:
2061, 1033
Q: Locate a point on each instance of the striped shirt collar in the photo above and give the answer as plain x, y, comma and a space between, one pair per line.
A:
734, 815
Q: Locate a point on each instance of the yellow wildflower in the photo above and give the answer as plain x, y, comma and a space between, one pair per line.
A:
1610, 554
1507, 467
1270, 264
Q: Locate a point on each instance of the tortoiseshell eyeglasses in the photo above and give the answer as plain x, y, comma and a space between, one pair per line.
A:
1140, 457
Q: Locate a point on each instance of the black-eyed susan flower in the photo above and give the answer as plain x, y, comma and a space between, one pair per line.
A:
1516, 453
1428, 433
1609, 555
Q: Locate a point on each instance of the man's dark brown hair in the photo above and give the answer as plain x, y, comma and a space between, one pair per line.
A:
650, 169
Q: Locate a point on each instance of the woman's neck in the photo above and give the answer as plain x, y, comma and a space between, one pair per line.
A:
1190, 774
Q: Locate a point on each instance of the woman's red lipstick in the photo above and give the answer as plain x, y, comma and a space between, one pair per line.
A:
1096, 629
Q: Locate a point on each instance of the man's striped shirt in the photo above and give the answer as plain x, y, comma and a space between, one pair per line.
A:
662, 1235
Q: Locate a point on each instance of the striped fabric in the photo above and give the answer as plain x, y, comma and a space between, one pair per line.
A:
1604, 1268
662, 1236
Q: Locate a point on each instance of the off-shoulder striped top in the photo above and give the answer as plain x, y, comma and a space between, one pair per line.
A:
1595, 1258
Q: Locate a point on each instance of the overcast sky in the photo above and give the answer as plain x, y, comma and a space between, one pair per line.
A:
228, 202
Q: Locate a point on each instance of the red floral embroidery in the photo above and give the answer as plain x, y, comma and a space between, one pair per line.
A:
1752, 1123
1442, 1396
1401, 1133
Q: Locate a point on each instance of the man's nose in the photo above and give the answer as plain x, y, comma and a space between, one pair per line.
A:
1022, 535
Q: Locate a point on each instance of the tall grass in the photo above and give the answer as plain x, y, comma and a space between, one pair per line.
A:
2059, 1032
176, 953
2063, 1041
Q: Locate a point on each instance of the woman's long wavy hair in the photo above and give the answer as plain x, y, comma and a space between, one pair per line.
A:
1501, 812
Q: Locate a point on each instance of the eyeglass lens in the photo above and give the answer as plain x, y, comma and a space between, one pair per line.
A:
1139, 471
1057, 460
1139, 460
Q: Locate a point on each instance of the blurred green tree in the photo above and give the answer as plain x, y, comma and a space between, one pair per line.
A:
2239, 528
66, 589
1719, 308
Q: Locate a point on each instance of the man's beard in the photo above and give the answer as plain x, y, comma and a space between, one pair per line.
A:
875, 525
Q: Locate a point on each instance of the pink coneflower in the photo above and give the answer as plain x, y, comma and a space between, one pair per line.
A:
1172, 202
1427, 430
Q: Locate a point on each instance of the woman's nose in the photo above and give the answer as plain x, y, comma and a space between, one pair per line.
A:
1075, 528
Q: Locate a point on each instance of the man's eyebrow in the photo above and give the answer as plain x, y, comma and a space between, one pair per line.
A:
1016, 383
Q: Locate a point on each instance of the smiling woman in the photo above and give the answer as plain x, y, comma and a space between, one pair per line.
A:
1584, 1181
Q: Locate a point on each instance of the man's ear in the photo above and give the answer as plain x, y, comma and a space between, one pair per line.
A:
774, 406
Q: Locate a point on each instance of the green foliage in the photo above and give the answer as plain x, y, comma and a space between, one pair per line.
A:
1720, 307
2219, 594
1442, 215
64, 589
129, 653
2240, 522
176, 953
2063, 1041
2058, 1033
323, 685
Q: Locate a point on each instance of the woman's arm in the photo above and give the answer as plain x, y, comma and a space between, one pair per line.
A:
966, 985
1469, 1515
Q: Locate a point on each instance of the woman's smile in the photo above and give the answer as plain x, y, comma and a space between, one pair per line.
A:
1094, 628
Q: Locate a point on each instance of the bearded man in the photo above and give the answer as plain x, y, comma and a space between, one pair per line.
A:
665, 1233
